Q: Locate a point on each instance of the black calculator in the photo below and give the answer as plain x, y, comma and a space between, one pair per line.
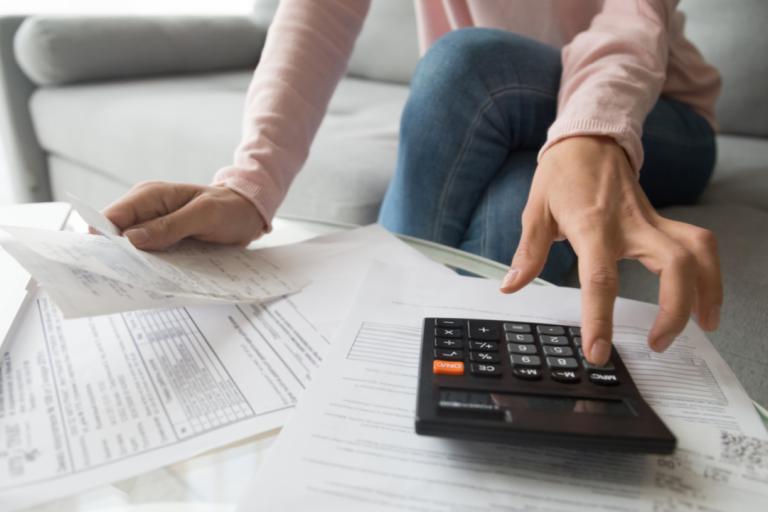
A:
527, 383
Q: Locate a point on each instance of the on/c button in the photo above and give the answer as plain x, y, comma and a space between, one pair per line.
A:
440, 367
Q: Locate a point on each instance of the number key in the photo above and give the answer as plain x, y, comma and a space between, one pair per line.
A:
555, 350
519, 338
520, 360
568, 363
521, 348
554, 340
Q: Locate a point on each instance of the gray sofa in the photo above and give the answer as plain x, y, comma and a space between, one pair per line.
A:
93, 105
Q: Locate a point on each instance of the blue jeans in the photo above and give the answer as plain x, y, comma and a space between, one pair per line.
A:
480, 104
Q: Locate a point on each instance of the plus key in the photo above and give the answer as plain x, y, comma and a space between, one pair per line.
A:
483, 331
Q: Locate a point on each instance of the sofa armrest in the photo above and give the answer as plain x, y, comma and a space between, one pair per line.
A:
61, 50
24, 158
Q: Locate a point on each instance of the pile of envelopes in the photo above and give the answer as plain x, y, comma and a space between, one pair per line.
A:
125, 361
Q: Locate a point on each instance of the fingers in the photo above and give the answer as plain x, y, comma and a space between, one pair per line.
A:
702, 245
162, 232
676, 268
533, 249
148, 201
599, 278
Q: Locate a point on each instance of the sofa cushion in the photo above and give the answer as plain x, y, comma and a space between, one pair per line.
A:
54, 50
741, 174
185, 128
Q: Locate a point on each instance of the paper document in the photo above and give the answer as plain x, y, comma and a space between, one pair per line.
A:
15, 279
350, 444
88, 401
90, 275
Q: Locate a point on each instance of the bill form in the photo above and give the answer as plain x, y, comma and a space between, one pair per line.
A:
351, 444
92, 400
89, 275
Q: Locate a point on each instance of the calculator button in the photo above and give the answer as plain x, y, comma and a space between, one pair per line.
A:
513, 327
485, 369
443, 343
527, 373
574, 331
577, 340
484, 357
448, 332
449, 355
555, 330
520, 360
521, 348
554, 350
485, 346
608, 366
553, 340
440, 367
519, 338
603, 379
483, 331
566, 376
562, 362
448, 322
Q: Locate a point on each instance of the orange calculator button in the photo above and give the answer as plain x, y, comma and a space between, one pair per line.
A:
447, 367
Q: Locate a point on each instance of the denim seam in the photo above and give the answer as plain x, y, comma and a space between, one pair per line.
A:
470, 135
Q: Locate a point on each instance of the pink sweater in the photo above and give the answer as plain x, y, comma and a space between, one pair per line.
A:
618, 57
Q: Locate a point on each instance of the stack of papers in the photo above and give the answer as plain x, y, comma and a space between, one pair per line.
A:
90, 400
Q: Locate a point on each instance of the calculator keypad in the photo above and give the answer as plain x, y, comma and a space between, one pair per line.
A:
527, 351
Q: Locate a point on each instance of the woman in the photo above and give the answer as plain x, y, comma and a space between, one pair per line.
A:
509, 146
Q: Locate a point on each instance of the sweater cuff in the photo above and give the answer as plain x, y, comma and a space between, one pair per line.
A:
256, 186
625, 135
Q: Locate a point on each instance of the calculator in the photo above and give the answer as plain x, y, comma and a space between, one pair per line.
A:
528, 383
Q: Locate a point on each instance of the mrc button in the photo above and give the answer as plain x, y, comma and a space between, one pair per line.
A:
603, 379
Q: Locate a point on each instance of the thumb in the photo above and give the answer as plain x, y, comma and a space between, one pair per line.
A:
531, 255
162, 232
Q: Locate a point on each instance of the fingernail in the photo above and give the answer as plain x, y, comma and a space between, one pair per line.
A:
600, 352
713, 317
509, 278
663, 342
137, 236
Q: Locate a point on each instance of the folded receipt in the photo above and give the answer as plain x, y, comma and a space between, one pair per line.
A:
90, 275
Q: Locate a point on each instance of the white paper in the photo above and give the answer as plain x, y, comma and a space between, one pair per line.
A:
15, 280
89, 275
88, 401
350, 444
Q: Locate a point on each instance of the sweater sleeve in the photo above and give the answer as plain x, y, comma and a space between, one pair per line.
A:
613, 74
305, 55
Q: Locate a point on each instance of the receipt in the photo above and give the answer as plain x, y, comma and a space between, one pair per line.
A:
89, 275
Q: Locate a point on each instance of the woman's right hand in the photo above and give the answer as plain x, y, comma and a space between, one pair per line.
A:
155, 215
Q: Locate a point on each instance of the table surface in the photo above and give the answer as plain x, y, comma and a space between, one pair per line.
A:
214, 481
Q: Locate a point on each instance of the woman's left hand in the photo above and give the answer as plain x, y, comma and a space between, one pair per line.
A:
584, 190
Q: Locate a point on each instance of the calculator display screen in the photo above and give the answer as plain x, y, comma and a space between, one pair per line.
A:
561, 404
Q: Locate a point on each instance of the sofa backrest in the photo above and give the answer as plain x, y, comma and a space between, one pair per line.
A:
732, 36
387, 48
730, 33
